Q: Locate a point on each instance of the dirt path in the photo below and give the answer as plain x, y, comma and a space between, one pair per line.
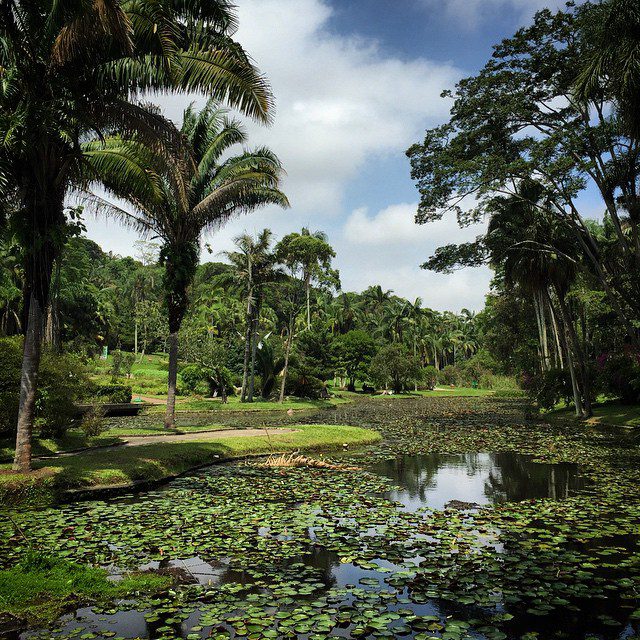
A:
206, 436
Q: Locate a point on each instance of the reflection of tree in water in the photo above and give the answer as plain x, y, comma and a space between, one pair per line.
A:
415, 474
515, 477
504, 476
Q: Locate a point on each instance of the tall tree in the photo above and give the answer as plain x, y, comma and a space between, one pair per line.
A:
308, 259
520, 118
254, 268
188, 200
70, 69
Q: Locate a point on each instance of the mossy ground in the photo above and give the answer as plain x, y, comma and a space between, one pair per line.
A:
41, 587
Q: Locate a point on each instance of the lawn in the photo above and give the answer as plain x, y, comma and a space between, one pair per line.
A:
610, 412
127, 465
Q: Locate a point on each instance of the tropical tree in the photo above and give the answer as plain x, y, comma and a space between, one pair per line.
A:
70, 69
353, 352
254, 268
307, 258
178, 202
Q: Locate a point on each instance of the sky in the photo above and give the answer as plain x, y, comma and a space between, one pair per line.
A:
356, 82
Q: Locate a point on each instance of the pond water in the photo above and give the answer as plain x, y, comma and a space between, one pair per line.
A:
471, 479
378, 590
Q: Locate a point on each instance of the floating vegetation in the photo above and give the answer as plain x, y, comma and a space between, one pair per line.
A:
313, 553
297, 460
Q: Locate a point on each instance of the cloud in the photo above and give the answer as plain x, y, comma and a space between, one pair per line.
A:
387, 248
395, 225
472, 13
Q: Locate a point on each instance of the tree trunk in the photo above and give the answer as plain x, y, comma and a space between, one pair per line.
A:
308, 292
170, 415
254, 347
247, 348
45, 207
28, 386
285, 370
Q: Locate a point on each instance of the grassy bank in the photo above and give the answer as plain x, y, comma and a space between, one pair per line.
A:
612, 413
42, 587
153, 462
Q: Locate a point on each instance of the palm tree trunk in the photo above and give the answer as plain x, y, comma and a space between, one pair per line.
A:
307, 285
285, 370
247, 348
254, 347
556, 333
28, 386
170, 415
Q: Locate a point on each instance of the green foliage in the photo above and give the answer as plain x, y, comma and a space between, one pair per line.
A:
550, 388
63, 381
114, 393
619, 377
41, 586
449, 375
121, 364
429, 377
394, 366
353, 352
93, 422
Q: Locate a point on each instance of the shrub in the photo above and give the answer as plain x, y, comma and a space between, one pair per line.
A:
304, 387
61, 381
449, 375
549, 388
121, 364
92, 423
114, 393
193, 376
394, 366
619, 376
429, 377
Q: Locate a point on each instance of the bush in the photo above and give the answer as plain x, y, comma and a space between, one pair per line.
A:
549, 388
114, 393
92, 423
619, 376
429, 378
394, 366
61, 381
193, 378
304, 387
449, 375
121, 364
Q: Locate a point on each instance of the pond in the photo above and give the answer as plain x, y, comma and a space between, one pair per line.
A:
435, 480
420, 545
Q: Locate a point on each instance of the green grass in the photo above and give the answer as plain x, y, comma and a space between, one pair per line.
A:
610, 412
126, 465
441, 392
40, 588
158, 429
148, 376
71, 440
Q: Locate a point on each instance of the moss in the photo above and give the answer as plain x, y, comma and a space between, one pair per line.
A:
41, 587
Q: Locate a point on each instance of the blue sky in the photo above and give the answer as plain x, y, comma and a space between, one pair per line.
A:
356, 82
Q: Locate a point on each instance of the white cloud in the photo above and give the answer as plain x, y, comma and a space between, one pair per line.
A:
472, 13
395, 225
387, 248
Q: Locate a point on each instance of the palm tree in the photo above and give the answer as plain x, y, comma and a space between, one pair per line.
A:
184, 201
74, 68
254, 268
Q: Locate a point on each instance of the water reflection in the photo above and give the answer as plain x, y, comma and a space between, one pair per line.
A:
433, 480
